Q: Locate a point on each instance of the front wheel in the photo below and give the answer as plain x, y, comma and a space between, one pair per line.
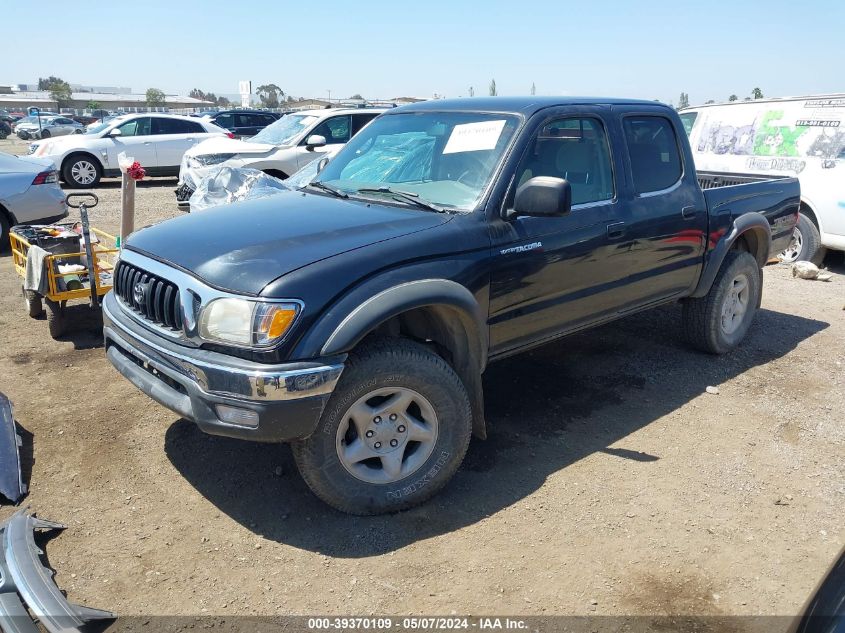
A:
393, 433
718, 322
82, 171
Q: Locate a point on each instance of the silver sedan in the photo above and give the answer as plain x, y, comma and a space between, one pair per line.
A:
47, 127
29, 194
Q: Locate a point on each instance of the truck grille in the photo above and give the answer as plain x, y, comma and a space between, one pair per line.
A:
156, 299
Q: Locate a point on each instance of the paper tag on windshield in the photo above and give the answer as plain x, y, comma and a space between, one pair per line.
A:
472, 137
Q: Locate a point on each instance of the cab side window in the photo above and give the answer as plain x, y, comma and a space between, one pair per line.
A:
136, 127
653, 148
335, 130
575, 149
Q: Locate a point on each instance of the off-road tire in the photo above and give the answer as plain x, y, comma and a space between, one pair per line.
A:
811, 243
67, 171
56, 321
34, 306
378, 364
702, 316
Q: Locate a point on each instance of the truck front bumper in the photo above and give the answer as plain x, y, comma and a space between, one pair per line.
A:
222, 394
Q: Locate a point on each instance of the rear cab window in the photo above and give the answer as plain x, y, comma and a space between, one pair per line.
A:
653, 149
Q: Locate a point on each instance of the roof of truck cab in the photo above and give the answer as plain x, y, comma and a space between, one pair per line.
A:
515, 105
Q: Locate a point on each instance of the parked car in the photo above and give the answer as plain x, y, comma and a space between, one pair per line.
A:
280, 149
802, 137
157, 141
29, 194
47, 127
5, 129
243, 122
354, 317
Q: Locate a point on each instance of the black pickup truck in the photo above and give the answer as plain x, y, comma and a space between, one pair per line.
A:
354, 315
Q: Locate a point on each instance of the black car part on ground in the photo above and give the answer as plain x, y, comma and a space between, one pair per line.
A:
825, 610
26, 582
11, 484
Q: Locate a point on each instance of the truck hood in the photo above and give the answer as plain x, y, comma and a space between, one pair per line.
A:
242, 247
225, 145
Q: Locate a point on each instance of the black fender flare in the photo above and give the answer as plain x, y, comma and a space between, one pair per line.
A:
748, 222
339, 330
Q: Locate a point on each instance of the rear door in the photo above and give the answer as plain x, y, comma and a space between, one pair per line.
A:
666, 219
173, 137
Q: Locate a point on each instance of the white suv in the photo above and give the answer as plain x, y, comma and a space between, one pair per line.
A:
279, 149
157, 141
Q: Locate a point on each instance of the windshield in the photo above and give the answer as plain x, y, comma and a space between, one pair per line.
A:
98, 127
285, 130
443, 158
688, 119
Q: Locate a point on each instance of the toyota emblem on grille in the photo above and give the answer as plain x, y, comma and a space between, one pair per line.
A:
138, 294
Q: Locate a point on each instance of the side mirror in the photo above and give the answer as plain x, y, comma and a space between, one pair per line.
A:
322, 164
315, 140
115, 132
543, 196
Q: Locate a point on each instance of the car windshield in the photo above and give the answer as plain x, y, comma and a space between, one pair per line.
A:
285, 130
443, 159
99, 127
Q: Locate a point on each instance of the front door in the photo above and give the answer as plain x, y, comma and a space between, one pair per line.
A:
556, 273
336, 130
135, 141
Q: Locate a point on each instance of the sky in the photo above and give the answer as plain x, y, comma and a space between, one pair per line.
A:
380, 49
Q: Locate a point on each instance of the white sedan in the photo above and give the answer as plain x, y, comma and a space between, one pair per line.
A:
280, 149
157, 141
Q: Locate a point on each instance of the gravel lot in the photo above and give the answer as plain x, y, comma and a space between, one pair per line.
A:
612, 482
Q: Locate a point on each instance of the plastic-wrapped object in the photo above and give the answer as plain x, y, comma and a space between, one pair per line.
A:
233, 184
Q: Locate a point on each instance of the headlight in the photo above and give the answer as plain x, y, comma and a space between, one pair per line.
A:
246, 323
204, 160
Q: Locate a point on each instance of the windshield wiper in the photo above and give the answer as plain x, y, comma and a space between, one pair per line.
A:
406, 196
324, 187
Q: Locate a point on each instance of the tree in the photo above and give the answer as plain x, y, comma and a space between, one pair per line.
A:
223, 102
533, 89
733, 98
269, 95
357, 96
493, 92
93, 105
59, 89
155, 98
710, 101
747, 99
757, 93
683, 101
471, 91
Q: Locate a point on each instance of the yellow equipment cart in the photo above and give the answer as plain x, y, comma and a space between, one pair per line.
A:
77, 262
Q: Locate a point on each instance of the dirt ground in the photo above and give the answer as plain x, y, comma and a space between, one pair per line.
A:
612, 482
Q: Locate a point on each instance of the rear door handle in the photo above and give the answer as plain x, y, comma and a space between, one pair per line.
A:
615, 230
688, 213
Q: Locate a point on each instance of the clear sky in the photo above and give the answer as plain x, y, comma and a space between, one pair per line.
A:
384, 49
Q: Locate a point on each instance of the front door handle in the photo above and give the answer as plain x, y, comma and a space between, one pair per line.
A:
616, 230
688, 213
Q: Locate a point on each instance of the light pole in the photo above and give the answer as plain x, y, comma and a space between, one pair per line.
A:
330, 96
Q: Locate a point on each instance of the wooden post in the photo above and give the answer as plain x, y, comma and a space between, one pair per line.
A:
127, 206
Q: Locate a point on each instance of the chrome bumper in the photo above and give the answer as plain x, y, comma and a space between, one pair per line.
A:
288, 399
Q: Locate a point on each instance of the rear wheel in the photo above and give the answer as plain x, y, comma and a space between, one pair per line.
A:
718, 322
81, 170
56, 322
806, 244
393, 433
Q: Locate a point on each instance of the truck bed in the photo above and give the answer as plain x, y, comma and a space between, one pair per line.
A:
778, 198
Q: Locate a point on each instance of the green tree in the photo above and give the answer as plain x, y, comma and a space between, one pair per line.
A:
357, 96
59, 89
155, 98
493, 91
269, 95
733, 98
224, 102
93, 105
757, 93
533, 89
683, 101
44, 83
710, 101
